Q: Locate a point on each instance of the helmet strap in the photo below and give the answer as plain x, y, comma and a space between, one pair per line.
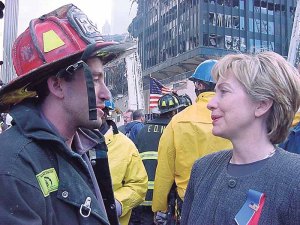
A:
89, 82
112, 124
90, 92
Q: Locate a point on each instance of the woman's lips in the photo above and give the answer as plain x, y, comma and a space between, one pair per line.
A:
215, 118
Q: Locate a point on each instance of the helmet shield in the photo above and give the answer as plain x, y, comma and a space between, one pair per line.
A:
167, 103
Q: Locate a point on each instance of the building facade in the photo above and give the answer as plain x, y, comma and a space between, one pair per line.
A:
11, 15
174, 36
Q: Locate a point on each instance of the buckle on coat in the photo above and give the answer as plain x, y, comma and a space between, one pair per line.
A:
85, 209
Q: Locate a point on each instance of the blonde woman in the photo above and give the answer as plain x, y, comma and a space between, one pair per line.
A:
256, 182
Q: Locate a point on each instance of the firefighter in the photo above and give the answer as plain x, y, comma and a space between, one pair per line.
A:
184, 101
58, 96
186, 138
147, 144
129, 177
296, 119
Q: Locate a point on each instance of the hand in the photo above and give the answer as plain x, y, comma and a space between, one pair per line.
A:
118, 208
160, 218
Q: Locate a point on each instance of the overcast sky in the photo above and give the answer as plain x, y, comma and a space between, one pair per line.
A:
118, 13
97, 10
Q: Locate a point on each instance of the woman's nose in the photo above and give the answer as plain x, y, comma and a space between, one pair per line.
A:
212, 103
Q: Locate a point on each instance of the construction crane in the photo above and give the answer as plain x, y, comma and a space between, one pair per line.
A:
294, 49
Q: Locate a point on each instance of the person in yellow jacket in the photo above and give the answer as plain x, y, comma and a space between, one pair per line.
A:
129, 176
187, 137
296, 119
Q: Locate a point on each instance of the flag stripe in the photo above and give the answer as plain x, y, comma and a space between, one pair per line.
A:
157, 89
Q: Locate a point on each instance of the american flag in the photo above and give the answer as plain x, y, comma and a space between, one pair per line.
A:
157, 89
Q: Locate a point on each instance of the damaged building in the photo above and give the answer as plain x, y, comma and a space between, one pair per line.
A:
174, 36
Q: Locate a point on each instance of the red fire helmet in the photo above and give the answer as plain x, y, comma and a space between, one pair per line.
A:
51, 43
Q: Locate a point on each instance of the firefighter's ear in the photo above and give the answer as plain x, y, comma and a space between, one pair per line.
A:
54, 86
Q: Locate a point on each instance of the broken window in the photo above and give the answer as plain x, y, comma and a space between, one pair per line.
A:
212, 19
242, 44
228, 42
235, 22
213, 40
216, 19
220, 19
228, 21
236, 43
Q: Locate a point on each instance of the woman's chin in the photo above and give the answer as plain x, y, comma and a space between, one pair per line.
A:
217, 132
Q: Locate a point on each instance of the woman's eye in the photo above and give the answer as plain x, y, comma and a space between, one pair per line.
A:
223, 91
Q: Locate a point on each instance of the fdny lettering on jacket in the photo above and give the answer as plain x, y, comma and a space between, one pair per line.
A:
155, 128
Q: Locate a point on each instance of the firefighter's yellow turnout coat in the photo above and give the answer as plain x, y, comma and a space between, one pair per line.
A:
186, 138
129, 177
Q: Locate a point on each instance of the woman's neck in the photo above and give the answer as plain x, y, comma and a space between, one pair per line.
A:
251, 151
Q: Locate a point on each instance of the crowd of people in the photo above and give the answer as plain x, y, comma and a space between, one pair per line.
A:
228, 158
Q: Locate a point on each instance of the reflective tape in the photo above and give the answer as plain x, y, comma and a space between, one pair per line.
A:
146, 203
150, 185
149, 155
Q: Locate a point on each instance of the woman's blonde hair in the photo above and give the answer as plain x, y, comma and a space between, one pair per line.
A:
267, 76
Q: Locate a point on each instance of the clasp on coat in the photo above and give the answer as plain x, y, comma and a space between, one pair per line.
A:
85, 209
